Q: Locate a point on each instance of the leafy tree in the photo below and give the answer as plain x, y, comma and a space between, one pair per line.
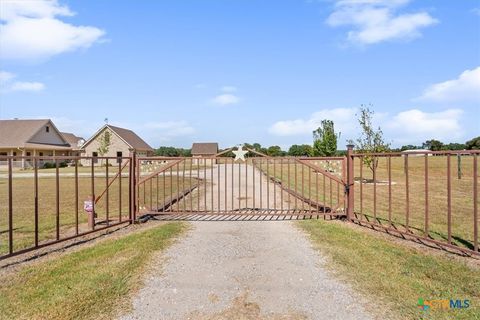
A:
275, 151
303, 150
473, 144
371, 140
455, 146
409, 147
433, 145
325, 139
173, 152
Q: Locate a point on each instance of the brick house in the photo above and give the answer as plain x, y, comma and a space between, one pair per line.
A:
122, 143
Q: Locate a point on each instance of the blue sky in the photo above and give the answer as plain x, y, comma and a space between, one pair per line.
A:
238, 71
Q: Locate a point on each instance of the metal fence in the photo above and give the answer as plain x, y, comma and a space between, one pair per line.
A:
259, 186
41, 207
428, 196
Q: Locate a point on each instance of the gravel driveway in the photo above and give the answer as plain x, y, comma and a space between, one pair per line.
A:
244, 270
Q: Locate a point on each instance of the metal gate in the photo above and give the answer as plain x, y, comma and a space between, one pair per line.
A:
253, 186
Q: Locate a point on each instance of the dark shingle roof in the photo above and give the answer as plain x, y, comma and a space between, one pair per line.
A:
131, 138
72, 139
205, 148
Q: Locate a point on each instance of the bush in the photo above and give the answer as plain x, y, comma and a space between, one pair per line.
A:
51, 165
48, 165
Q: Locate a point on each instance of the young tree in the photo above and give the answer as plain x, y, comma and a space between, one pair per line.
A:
274, 151
370, 140
104, 143
325, 139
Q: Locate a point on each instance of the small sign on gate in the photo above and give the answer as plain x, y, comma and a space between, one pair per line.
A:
88, 206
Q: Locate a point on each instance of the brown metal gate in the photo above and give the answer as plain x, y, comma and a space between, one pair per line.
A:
259, 186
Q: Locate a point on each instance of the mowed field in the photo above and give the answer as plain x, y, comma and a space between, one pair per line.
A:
368, 205
116, 200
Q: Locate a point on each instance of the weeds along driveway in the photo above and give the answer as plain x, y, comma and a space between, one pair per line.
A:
249, 269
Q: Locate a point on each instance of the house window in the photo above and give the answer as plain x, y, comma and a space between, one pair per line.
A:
47, 129
119, 156
95, 157
28, 153
14, 153
41, 154
3, 154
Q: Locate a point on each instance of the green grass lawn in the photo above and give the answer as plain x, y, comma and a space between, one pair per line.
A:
394, 276
93, 283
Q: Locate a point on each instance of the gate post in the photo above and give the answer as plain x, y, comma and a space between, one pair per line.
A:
133, 188
349, 188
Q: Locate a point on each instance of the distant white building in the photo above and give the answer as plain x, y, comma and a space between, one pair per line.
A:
417, 152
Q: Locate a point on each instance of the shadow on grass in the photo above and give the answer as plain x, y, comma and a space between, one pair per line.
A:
433, 240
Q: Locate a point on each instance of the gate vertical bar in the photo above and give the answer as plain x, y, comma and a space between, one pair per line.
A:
449, 201
254, 169
361, 187
133, 188
390, 190
350, 183
475, 204
36, 202
120, 190
106, 194
426, 195
76, 197
10, 206
57, 200
407, 194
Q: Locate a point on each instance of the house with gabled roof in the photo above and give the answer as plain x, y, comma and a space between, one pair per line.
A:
32, 137
203, 150
111, 141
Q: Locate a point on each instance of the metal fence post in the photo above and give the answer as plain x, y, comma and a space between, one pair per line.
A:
349, 188
133, 187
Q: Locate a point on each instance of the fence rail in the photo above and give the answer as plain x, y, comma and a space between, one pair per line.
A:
222, 186
40, 207
429, 196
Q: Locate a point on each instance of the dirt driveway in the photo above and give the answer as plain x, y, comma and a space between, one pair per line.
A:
244, 270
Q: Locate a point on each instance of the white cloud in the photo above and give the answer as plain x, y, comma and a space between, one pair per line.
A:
5, 77
27, 86
344, 119
374, 21
226, 99
171, 128
7, 84
416, 125
229, 89
465, 88
405, 127
31, 30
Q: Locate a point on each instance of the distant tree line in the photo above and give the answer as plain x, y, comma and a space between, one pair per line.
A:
173, 152
296, 150
436, 145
